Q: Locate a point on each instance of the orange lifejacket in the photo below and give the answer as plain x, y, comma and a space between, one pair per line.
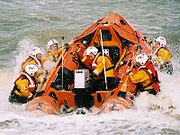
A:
152, 73
32, 85
87, 61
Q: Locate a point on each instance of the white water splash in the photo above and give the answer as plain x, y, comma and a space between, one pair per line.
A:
158, 114
152, 114
24, 48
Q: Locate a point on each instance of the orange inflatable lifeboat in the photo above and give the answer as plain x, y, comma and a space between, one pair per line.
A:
121, 42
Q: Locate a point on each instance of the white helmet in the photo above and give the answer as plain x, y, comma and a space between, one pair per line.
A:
31, 69
84, 42
52, 42
162, 41
90, 50
142, 58
35, 51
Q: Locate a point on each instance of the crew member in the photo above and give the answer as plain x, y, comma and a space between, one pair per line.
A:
162, 55
146, 77
35, 58
101, 64
53, 53
25, 85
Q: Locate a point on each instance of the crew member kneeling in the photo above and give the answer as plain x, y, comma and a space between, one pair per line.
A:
146, 77
99, 64
25, 85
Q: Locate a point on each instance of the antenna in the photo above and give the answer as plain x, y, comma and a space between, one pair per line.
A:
62, 61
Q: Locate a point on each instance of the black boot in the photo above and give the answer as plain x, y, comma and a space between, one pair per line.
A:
80, 111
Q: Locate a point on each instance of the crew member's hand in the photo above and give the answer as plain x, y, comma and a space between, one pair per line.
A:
92, 75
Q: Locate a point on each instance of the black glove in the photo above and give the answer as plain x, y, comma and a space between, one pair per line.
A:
92, 75
39, 93
45, 79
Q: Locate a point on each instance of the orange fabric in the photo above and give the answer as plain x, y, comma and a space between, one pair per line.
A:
45, 104
87, 61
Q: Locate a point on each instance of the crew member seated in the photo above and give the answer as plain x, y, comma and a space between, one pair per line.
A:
101, 64
25, 85
162, 55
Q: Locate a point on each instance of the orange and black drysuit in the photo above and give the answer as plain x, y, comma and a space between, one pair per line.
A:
146, 79
25, 87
